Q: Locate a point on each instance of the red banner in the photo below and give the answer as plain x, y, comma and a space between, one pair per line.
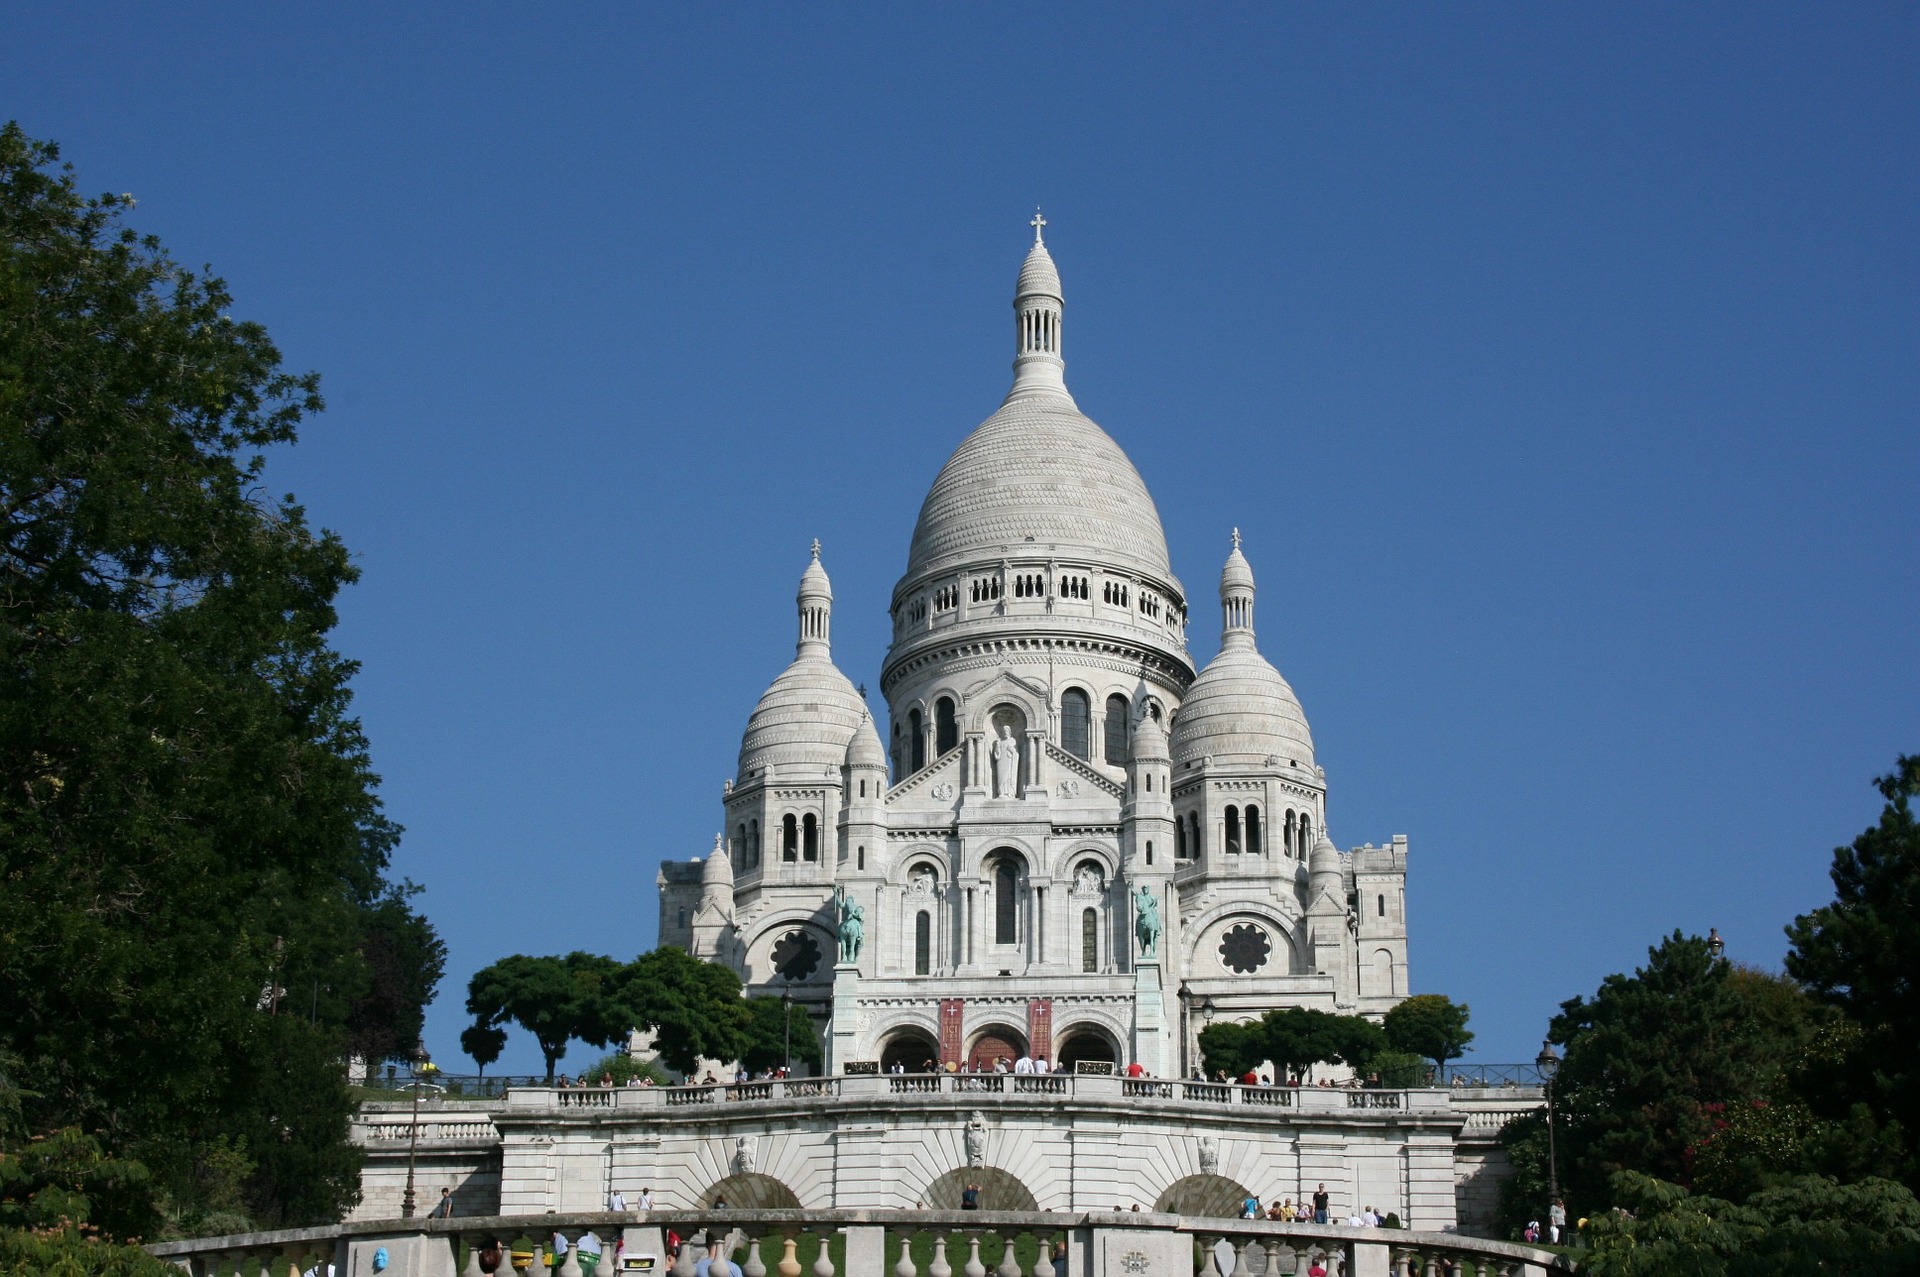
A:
1040, 1027
952, 1022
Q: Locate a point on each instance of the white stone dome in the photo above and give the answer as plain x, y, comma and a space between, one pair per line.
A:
1241, 711
1039, 474
805, 720
864, 750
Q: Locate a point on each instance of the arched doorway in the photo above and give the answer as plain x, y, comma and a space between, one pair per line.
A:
998, 1190
914, 1050
1084, 1042
996, 1042
1208, 1196
750, 1192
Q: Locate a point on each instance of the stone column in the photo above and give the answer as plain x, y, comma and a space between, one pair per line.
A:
1036, 759
1149, 1016
842, 1044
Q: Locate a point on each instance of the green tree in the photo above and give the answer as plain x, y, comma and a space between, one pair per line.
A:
694, 1008
1297, 1038
1430, 1025
1235, 1048
773, 1029
1859, 955
484, 1043
558, 1000
191, 842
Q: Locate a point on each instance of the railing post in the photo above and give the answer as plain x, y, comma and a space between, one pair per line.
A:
1208, 1267
1009, 1265
905, 1268
823, 1262
789, 1265
939, 1267
974, 1268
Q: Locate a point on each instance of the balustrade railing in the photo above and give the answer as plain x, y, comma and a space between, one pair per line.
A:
860, 1244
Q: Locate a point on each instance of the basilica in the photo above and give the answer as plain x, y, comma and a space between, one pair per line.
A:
1068, 839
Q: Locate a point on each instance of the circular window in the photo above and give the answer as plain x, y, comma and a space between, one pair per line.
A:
1245, 949
796, 955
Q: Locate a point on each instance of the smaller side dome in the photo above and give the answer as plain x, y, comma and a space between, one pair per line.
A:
864, 750
1038, 275
1240, 712
808, 716
1238, 573
1150, 741
718, 871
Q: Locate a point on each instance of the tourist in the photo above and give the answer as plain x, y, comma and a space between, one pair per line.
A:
1250, 1208
1249, 1078
564, 1083
1281, 1212
1557, 1220
1369, 1218
443, 1209
606, 1081
617, 1201
1000, 1064
1136, 1069
970, 1197
1319, 1267
646, 1199
1023, 1065
741, 1076
633, 1079
1040, 1064
1320, 1205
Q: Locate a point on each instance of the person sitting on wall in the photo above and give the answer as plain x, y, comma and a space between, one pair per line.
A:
970, 1197
1136, 1069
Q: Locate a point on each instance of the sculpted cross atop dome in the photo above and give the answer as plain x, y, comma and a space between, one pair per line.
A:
1037, 222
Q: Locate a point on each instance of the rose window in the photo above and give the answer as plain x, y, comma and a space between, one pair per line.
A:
1245, 948
796, 955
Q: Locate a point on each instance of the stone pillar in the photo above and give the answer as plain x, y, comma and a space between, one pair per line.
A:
866, 1249
1036, 760
841, 1040
1149, 1016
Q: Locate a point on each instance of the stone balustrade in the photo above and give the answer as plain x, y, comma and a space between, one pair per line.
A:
869, 1243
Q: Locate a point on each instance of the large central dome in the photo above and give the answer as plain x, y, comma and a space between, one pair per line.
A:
1038, 476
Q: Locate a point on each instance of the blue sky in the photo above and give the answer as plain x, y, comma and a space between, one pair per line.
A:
1558, 362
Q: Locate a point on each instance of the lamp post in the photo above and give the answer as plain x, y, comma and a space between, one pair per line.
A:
786, 1025
1186, 1027
421, 1062
1549, 1064
1715, 945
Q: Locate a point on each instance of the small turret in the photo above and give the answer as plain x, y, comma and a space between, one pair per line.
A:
1037, 305
816, 607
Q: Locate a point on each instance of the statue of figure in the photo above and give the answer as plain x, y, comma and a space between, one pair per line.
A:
743, 1154
1146, 921
853, 924
1087, 881
976, 1140
1209, 1155
1006, 764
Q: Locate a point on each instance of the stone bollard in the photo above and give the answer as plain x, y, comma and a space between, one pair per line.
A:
823, 1262
789, 1265
905, 1268
939, 1267
974, 1268
755, 1266
1043, 1258
1009, 1264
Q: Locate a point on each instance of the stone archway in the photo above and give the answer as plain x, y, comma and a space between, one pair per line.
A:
913, 1049
1205, 1196
998, 1190
996, 1042
1085, 1042
750, 1192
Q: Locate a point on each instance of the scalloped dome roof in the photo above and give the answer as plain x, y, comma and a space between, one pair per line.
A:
805, 719
1039, 473
1240, 710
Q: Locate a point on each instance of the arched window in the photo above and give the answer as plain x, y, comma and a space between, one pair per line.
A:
1149, 851
1233, 831
809, 837
946, 728
1006, 901
1287, 833
789, 837
923, 943
916, 741
1383, 906
1179, 838
1089, 940
1306, 835
1076, 712
1194, 846
1118, 725
740, 849
860, 858
753, 844
1253, 830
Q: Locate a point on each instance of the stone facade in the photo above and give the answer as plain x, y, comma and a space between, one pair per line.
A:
1053, 767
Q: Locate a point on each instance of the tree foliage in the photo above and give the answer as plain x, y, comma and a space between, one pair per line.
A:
197, 926
558, 1000
1430, 1025
1861, 955
1294, 1039
775, 1027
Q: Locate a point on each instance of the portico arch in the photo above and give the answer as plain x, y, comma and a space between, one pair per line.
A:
996, 1042
913, 1049
1208, 1196
750, 1192
1085, 1042
998, 1190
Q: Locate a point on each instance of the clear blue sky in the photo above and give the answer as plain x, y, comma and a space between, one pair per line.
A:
1559, 363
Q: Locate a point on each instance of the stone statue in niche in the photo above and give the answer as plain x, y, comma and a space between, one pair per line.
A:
853, 924
1087, 881
1209, 1155
976, 1139
1006, 764
924, 881
744, 1151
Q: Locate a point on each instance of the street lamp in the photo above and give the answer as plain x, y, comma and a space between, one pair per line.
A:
1549, 1065
422, 1062
1715, 945
1186, 1027
786, 1025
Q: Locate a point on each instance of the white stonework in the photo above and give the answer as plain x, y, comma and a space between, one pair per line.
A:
1039, 611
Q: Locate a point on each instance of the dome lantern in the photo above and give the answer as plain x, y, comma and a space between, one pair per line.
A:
1038, 367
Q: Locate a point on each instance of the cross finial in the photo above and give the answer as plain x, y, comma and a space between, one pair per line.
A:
1236, 538
1037, 222
816, 549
